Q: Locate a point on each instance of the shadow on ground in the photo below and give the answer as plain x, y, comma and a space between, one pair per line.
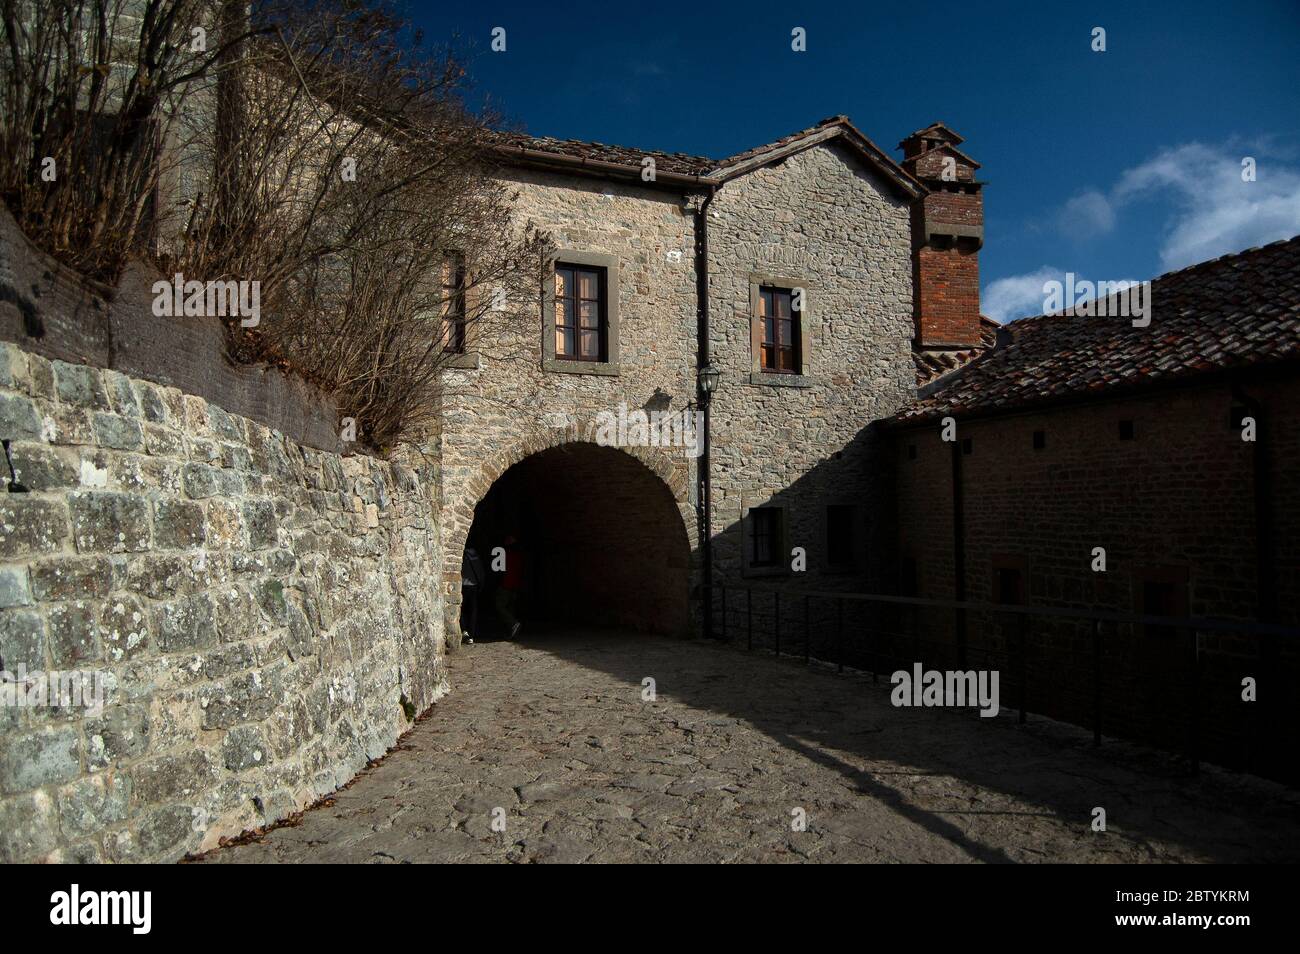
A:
548, 750
846, 723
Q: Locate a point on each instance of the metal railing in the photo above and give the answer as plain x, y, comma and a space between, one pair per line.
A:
1049, 661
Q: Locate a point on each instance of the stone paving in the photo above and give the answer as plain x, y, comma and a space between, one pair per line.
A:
552, 736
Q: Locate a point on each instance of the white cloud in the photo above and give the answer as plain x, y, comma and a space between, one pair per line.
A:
1216, 213
1209, 211
1087, 214
1018, 296
1212, 211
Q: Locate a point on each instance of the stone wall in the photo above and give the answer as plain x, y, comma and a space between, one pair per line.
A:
507, 406
53, 312
262, 614
820, 221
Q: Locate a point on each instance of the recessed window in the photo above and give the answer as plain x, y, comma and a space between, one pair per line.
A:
1040, 440
764, 536
1008, 586
580, 312
1161, 596
908, 577
1126, 430
777, 310
911, 452
454, 279
840, 520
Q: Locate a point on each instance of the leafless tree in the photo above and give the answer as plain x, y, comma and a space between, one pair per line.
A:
316, 148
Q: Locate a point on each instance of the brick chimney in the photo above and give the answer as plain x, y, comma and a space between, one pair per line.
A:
947, 232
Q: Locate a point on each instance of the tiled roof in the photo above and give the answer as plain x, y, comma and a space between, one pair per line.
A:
525, 148
621, 155
1236, 311
783, 141
931, 365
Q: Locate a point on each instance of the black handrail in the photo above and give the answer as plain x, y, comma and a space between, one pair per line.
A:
1193, 626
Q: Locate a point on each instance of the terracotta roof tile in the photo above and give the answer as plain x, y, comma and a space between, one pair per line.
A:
511, 145
675, 162
933, 365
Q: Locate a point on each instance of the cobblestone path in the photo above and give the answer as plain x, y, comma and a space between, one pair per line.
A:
553, 736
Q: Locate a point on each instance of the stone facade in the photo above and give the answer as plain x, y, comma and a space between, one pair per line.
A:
507, 407
821, 220
818, 221
259, 612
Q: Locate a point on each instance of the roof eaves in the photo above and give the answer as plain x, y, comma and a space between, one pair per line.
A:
836, 127
599, 168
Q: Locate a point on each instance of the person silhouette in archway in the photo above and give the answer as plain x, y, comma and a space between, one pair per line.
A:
507, 594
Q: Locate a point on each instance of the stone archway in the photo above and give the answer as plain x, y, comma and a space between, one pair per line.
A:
640, 524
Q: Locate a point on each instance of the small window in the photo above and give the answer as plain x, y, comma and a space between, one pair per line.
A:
911, 452
1008, 586
781, 330
840, 526
764, 536
1126, 430
580, 313
453, 303
1040, 440
1162, 597
908, 577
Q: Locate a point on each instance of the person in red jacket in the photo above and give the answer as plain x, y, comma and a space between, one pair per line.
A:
512, 582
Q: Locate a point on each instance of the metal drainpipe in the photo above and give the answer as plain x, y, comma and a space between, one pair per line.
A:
705, 518
1265, 574
959, 548
1265, 582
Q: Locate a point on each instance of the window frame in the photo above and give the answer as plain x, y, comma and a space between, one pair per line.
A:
779, 523
576, 272
770, 298
799, 376
607, 269
852, 521
455, 315
771, 526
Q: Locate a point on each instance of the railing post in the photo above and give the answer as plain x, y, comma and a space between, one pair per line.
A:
839, 631
1023, 628
776, 620
1195, 741
722, 630
749, 620
807, 633
1096, 682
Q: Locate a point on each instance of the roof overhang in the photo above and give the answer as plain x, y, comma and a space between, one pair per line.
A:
898, 179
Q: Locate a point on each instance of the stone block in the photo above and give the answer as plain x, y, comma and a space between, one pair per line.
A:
107, 522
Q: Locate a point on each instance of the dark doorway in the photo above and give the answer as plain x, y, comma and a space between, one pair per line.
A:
600, 541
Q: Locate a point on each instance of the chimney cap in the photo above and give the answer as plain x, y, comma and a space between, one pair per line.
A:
935, 130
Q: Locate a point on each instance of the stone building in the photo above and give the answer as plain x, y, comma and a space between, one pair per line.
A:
1171, 446
794, 270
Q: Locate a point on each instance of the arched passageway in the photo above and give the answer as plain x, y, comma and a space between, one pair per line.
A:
599, 536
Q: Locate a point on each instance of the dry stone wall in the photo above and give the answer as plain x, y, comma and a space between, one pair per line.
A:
262, 617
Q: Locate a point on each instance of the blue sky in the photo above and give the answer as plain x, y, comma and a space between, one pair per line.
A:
1115, 165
